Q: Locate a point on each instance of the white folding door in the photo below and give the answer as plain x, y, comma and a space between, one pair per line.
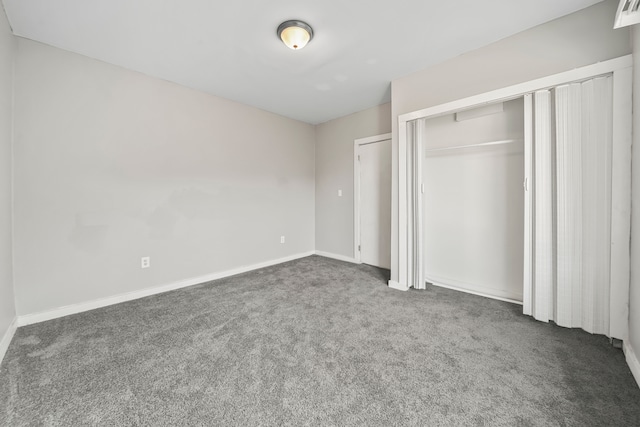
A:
568, 156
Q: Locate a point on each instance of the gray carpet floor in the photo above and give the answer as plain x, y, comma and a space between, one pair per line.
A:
313, 342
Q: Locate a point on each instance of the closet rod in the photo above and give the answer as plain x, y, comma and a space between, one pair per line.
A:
484, 144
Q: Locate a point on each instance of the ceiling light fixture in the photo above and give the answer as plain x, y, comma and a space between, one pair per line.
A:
295, 34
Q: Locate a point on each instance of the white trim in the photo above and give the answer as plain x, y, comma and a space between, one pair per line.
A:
480, 294
356, 188
527, 293
28, 319
516, 91
356, 202
632, 361
403, 226
338, 257
469, 289
8, 336
397, 286
417, 236
372, 139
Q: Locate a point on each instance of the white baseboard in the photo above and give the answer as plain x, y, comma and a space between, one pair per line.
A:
29, 319
632, 361
468, 288
8, 336
480, 294
338, 257
398, 286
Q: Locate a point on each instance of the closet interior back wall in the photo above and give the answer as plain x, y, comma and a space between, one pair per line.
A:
474, 201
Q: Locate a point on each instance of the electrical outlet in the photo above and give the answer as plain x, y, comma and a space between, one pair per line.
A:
281, 239
145, 262
339, 193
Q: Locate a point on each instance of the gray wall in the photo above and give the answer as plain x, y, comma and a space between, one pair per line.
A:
634, 297
7, 50
579, 39
112, 165
334, 171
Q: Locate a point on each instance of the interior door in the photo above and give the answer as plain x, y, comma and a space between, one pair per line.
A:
375, 203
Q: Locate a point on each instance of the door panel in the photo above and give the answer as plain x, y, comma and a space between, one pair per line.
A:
375, 203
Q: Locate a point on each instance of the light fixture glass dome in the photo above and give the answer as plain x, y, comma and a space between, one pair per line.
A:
295, 34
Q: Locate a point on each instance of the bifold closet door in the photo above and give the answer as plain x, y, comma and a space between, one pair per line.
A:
570, 178
568, 191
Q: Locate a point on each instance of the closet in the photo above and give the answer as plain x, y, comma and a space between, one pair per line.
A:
524, 194
473, 200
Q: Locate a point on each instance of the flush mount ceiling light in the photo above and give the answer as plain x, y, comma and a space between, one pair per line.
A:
295, 34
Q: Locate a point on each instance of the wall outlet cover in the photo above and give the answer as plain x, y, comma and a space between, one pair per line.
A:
145, 262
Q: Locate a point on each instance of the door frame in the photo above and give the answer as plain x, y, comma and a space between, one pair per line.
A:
356, 188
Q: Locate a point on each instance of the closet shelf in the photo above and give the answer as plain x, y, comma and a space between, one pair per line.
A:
484, 144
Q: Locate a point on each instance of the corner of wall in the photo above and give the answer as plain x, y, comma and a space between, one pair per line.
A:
9, 307
5, 341
11, 149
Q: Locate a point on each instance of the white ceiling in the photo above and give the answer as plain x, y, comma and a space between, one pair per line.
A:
230, 48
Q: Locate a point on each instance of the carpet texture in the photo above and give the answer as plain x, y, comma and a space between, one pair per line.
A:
313, 342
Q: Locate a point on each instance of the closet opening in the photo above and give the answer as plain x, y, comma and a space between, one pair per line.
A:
473, 200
